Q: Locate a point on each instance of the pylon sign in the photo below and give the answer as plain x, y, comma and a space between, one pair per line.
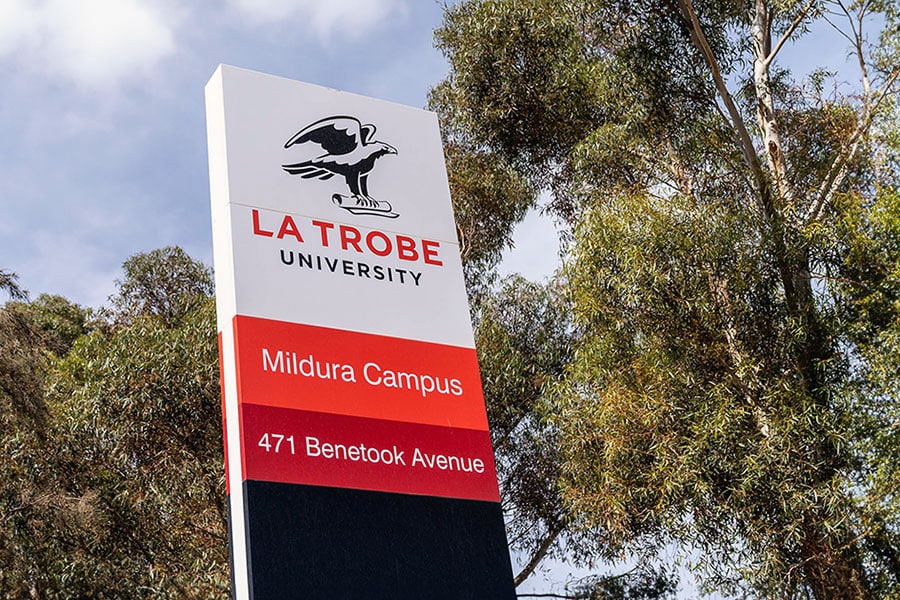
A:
359, 463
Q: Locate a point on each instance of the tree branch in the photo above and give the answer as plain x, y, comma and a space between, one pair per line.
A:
745, 142
539, 554
790, 31
838, 170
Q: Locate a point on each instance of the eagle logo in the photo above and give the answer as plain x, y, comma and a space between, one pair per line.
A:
350, 152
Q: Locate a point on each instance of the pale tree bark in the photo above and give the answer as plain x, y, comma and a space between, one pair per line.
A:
735, 120
761, 34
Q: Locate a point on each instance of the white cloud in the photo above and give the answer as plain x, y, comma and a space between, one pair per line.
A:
18, 25
94, 43
327, 18
97, 44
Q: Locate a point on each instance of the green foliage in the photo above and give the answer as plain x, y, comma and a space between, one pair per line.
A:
22, 366
23, 425
636, 585
523, 337
165, 282
731, 382
139, 410
533, 79
513, 81
682, 414
866, 286
489, 198
111, 448
60, 321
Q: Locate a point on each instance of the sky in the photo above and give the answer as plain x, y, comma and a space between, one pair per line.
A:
103, 152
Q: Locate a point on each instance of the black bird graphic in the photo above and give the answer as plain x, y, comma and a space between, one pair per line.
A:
351, 152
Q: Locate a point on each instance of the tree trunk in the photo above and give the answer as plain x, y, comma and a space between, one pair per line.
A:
830, 564
833, 573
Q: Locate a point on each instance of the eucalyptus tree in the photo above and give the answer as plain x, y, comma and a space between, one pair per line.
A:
165, 282
34, 512
110, 441
732, 270
22, 414
522, 334
136, 412
10, 284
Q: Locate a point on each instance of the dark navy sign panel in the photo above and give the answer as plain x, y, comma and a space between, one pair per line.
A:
326, 543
